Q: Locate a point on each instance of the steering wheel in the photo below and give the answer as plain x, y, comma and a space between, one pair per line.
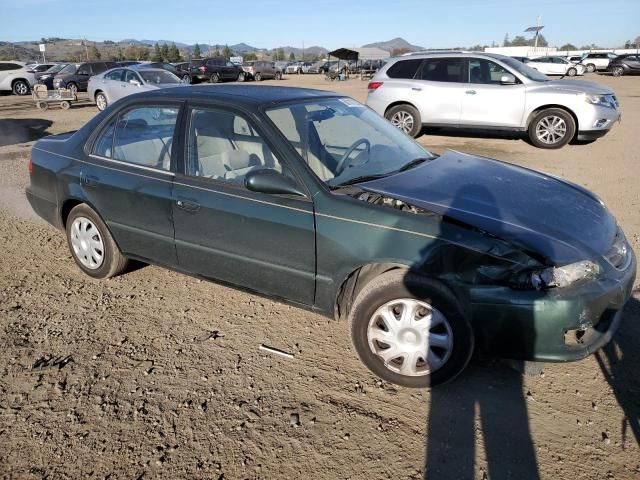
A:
343, 163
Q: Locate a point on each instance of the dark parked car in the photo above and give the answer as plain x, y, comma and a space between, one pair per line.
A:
215, 69
46, 77
627, 64
182, 71
261, 70
41, 67
75, 76
312, 198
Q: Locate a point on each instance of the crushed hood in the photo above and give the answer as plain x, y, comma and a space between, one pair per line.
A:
561, 221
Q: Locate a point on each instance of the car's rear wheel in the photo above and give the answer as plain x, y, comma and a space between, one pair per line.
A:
186, 79
572, 72
215, 78
278, 76
258, 76
406, 118
552, 128
101, 101
591, 67
73, 88
241, 77
617, 71
410, 330
20, 87
92, 245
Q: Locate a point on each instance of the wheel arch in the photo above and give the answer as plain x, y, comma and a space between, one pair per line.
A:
399, 102
70, 203
538, 109
98, 90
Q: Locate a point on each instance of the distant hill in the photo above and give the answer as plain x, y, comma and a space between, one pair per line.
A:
14, 51
394, 44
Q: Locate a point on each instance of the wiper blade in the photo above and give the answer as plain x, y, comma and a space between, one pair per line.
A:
363, 178
413, 163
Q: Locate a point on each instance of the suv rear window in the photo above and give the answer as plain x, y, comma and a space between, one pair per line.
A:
196, 63
404, 68
443, 70
10, 66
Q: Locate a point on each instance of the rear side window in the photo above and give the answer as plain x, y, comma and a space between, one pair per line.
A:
443, 70
85, 69
404, 68
114, 75
10, 66
144, 136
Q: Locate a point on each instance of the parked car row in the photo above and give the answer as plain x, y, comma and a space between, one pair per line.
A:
617, 65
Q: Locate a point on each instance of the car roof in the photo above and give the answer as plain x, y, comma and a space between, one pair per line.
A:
242, 94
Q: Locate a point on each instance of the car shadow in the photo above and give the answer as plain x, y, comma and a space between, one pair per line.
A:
473, 133
22, 130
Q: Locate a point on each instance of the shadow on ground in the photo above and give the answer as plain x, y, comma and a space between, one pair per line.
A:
22, 130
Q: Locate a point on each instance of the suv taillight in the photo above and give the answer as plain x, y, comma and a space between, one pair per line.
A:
202, 68
373, 86
30, 165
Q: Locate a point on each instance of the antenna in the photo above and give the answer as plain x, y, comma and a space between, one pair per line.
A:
535, 30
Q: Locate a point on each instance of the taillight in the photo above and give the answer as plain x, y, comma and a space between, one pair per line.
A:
202, 68
373, 86
30, 165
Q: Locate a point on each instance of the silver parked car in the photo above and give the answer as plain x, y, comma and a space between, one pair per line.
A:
490, 91
116, 83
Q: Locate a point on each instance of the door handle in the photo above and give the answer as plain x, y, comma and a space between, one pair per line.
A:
188, 205
416, 89
470, 92
89, 180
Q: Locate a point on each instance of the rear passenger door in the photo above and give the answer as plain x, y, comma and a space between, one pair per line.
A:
84, 73
265, 243
441, 87
130, 179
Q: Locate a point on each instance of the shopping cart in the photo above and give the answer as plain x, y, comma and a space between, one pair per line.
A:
44, 97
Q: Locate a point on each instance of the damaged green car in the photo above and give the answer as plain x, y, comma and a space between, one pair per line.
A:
312, 198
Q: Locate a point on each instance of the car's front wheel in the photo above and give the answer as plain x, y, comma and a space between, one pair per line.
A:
20, 87
572, 72
101, 101
410, 330
91, 244
215, 78
258, 76
406, 118
552, 128
617, 71
278, 76
73, 88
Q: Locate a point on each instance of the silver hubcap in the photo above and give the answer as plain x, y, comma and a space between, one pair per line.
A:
617, 71
73, 89
21, 88
86, 242
101, 100
551, 129
403, 120
411, 337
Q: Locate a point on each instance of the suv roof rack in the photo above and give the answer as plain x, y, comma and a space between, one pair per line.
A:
425, 52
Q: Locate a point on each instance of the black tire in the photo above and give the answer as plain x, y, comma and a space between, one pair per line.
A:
278, 76
42, 106
113, 262
101, 101
186, 79
215, 78
617, 71
241, 77
572, 72
65, 105
399, 284
258, 76
591, 67
20, 87
403, 111
72, 87
549, 113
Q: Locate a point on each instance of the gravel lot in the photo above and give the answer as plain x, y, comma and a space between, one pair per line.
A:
158, 375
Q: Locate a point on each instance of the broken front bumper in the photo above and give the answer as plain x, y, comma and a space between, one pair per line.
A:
556, 325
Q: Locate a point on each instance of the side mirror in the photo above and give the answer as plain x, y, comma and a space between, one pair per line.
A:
272, 182
507, 79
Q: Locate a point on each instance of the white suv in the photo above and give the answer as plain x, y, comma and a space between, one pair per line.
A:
489, 91
16, 77
596, 61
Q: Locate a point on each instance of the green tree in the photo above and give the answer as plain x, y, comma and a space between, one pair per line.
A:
568, 46
136, 52
247, 57
292, 57
226, 52
174, 54
196, 51
216, 53
519, 41
94, 53
164, 50
506, 42
157, 54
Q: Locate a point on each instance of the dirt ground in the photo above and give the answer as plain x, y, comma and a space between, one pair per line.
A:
158, 375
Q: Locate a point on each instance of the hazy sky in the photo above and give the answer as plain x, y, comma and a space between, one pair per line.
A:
329, 23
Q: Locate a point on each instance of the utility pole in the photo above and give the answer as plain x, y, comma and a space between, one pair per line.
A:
303, 50
538, 18
86, 50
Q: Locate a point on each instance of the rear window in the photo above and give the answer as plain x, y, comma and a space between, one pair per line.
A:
404, 68
196, 63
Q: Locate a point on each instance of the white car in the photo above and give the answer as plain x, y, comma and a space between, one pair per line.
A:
597, 61
556, 66
16, 77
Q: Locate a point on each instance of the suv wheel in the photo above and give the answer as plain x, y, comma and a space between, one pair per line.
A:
617, 71
278, 76
73, 88
410, 330
215, 78
241, 77
92, 245
591, 67
552, 128
20, 87
572, 72
258, 76
406, 118
186, 78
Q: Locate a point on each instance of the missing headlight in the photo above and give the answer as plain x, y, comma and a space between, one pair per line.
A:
378, 199
560, 277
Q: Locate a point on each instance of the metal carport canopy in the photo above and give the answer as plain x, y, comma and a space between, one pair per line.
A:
344, 54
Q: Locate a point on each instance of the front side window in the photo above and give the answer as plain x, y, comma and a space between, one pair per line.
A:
144, 136
443, 70
223, 146
69, 69
130, 76
485, 72
157, 77
342, 141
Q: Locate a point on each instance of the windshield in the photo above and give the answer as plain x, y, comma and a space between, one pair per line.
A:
525, 70
343, 141
56, 68
158, 76
71, 68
